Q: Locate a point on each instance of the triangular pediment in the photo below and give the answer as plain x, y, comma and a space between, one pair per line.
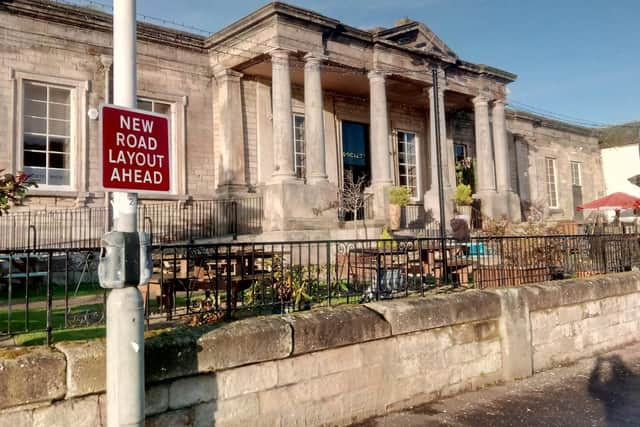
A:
417, 36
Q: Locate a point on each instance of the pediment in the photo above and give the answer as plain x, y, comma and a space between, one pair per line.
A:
417, 36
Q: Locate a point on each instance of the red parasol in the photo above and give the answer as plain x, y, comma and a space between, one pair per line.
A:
613, 201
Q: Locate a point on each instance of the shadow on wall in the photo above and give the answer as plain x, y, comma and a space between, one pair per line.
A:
618, 388
172, 358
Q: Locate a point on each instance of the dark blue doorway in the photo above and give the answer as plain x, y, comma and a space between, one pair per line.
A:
355, 155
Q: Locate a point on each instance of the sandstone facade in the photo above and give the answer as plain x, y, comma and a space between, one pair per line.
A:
282, 103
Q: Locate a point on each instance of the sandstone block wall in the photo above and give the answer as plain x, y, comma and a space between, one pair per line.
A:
332, 366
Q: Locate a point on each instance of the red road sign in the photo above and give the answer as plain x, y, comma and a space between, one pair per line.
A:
135, 150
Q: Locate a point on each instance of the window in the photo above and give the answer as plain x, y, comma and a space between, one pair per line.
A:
154, 106
407, 170
46, 133
460, 152
299, 147
576, 174
552, 191
165, 108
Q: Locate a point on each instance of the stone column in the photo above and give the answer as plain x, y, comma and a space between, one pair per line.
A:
501, 151
313, 121
431, 197
486, 184
509, 201
380, 157
231, 168
379, 145
283, 161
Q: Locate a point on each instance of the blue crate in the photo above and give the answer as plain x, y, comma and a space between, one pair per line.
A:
476, 249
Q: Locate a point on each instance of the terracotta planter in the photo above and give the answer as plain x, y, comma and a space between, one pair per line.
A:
394, 217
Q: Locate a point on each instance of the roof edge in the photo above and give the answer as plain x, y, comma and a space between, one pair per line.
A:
552, 123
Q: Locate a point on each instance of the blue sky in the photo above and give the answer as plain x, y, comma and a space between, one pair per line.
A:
575, 58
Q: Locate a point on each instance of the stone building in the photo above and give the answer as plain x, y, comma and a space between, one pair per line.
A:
282, 103
620, 148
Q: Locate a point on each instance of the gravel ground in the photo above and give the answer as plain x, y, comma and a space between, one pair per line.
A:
599, 391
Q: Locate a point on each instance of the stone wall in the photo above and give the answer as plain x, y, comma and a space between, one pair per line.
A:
332, 366
47, 51
532, 140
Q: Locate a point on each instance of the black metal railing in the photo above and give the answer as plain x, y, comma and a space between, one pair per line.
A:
165, 222
50, 289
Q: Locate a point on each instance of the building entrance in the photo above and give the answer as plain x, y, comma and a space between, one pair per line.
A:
355, 156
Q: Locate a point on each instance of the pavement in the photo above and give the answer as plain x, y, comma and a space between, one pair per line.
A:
599, 391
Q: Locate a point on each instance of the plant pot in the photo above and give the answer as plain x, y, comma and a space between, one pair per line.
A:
464, 210
395, 212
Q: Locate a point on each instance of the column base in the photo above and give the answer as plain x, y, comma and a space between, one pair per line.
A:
285, 177
294, 205
432, 205
380, 194
231, 191
503, 205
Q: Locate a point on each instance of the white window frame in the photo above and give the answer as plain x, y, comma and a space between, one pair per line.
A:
178, 167
78, 180
295, 148
551, 181
416, 143
578, 168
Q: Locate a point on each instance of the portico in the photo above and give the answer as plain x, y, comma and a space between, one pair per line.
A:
312, 75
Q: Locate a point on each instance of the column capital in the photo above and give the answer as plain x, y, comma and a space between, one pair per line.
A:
106, 61
313, 58
501, 103
280, 53
429, 90
222, 74
374, 75
480, 100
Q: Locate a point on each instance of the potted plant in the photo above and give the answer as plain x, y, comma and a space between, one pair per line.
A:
399, 197
463, 199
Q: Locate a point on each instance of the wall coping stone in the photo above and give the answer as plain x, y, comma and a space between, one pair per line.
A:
576, 291
325, 328
86, 366
31, 374
190, 351
419, 314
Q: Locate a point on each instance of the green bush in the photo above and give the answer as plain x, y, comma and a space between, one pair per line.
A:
400, 196
463, 195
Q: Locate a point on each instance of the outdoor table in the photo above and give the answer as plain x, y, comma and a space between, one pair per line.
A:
384, 268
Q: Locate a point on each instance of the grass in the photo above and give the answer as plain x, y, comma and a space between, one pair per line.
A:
40, 337
39, 293
37, 318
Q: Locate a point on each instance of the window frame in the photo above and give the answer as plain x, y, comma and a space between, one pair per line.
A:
78, 132
548, 182
302, 153
416, 165
177, 142
578, 166
48, 132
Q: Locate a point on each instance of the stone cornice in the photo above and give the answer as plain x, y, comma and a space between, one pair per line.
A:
91, 19
550, 123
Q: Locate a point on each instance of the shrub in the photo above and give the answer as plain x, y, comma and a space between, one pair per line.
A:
400, 196
463, 195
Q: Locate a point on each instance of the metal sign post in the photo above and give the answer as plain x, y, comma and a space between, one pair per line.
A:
120, 257
436, 116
